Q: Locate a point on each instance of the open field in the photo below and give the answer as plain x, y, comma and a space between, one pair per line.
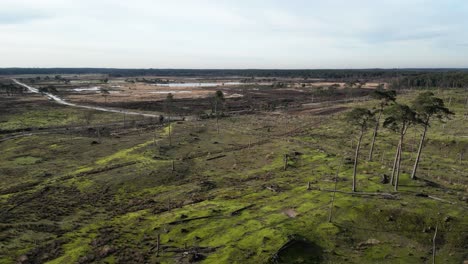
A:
86, 186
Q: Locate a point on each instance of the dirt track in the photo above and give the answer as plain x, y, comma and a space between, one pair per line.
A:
97, 108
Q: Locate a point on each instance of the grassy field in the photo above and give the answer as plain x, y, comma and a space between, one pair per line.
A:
32, 112
226, 198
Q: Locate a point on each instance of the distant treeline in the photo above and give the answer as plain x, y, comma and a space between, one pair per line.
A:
432, 79
399, 78
329, 74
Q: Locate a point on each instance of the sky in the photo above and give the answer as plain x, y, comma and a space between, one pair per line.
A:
236, 34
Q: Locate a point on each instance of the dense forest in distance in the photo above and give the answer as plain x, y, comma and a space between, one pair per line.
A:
305, 73
398, 78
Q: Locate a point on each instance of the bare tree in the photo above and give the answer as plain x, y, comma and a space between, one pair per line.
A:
218, 100
88, 117
105, 93
168, 105
334, 192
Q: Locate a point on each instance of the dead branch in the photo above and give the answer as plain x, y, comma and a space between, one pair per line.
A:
238, 211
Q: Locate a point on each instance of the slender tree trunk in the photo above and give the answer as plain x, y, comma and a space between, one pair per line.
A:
418, 156
158, 241
334, 192
376, 128
170, 135
285, 160
217, 116
434, 245
397, 176
397, 173
395, 162
356, 156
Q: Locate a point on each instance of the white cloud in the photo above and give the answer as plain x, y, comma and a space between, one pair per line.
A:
233, 34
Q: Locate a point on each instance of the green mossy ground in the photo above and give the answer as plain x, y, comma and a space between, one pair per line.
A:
64, 200
32, 112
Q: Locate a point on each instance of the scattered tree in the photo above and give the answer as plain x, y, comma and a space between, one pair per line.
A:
168, 104
385, 98
427, 107
218, 101
48, 89
361, 118
11, 89
88, 117
105, 93
399, 118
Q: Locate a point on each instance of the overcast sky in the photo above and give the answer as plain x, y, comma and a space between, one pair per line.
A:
234, 34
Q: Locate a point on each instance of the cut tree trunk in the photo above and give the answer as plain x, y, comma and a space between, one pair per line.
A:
418, 156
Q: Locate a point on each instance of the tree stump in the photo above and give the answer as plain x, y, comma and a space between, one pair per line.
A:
385, 179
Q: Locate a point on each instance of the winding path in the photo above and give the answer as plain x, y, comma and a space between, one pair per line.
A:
98, 108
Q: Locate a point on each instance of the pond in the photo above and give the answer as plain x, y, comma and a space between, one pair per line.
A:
95, 89
199, 84
166, 92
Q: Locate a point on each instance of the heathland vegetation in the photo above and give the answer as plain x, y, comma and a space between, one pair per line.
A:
364, 166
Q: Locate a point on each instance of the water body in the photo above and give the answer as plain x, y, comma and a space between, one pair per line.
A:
204, 84
234, 95
166, 92
93, 89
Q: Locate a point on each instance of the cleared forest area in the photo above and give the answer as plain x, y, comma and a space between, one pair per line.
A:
256, 172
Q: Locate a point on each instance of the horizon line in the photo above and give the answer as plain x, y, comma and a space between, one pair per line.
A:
243, 69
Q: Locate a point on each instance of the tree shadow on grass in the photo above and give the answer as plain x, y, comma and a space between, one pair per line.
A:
298, 250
